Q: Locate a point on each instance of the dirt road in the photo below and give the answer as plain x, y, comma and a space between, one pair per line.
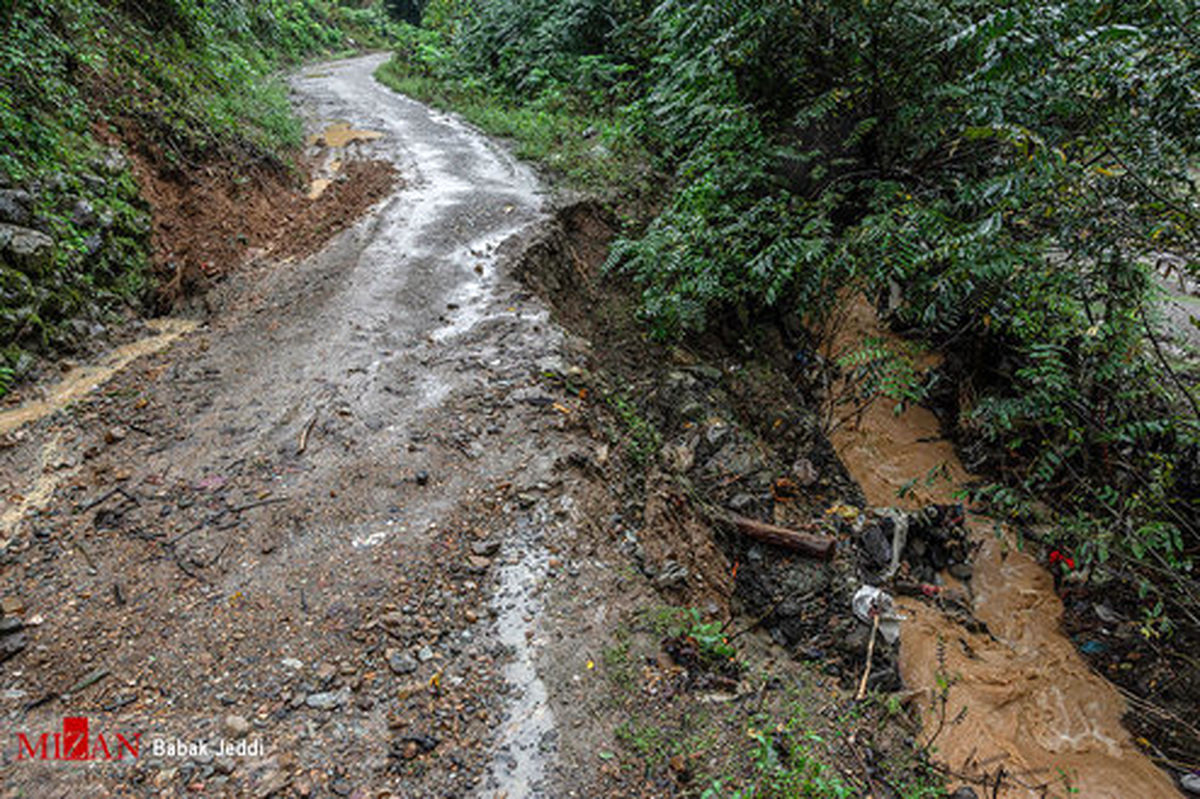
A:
317, 522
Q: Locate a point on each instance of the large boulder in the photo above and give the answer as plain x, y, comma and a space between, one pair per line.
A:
28, 250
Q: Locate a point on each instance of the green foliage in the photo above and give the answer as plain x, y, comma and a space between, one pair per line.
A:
675, 622
194, 78
563, 119
1006, 169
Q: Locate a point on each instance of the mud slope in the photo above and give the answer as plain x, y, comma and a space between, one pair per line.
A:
290, 528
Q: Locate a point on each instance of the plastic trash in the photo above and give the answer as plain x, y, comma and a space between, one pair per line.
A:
871, 601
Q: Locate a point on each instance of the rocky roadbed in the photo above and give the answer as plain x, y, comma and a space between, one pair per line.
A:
385, 519
425, 515
289, 528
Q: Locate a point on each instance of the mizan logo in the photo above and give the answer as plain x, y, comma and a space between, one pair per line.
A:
75, 743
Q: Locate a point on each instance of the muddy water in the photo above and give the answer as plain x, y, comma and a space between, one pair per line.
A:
340, 134
75, 384
1020, 700
83, 379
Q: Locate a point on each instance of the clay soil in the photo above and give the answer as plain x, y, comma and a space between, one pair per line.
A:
208, 219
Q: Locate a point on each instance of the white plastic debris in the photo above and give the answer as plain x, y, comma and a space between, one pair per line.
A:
871, 601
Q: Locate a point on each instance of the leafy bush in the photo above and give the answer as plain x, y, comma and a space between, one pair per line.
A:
1007, 170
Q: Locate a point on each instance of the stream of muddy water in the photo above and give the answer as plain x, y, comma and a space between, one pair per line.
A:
1021, 701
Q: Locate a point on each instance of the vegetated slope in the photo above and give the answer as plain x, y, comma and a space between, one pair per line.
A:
183, 87
1001, 177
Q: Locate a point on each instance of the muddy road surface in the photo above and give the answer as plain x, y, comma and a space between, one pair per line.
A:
313, 531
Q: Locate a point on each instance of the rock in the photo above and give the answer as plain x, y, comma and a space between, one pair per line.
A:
485, 549
422, 477
83, 213
11, 645
28, 250
678, 458
235, 726
93, 244
327, 700
805, 473
341, 787
425, 654
672, 575
393, 622
291, 663
964, 792
273, 783
15, 206
1190, 783
224, 765
113, 162
479, 563
877, 546
115, 434
12, 605
400, 663
961, 571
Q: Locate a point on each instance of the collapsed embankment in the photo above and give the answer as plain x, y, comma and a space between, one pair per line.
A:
714, 429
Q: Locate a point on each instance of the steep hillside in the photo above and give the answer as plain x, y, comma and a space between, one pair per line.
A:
104, 103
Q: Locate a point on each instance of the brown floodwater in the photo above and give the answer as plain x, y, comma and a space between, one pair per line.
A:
1020, 700
83, 379
339, 134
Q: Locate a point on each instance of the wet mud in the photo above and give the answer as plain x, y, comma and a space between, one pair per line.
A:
1013, 710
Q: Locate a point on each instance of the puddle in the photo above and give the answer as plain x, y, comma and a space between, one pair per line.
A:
1030, 705
318, 187
519, 765
339, 134
83, 379
37, 495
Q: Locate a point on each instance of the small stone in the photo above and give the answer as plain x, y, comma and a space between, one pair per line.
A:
272, 784
224, 765
470, 616
11, 645
805, 473
327, 700
12, 606
478, 562
422, 477
961, 571
236, 726
400, 663
1190, 783
291, 663
83, 213
486, 548
14, 206
964, 792
425, 654
115, 434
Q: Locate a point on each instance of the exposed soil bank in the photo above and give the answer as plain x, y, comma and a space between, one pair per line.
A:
1022, 709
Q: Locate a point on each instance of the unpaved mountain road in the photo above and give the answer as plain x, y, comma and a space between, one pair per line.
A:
319, 521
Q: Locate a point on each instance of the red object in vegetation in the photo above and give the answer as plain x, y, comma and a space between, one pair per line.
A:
1058, 557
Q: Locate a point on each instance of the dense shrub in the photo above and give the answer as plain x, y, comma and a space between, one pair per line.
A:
1006, 170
